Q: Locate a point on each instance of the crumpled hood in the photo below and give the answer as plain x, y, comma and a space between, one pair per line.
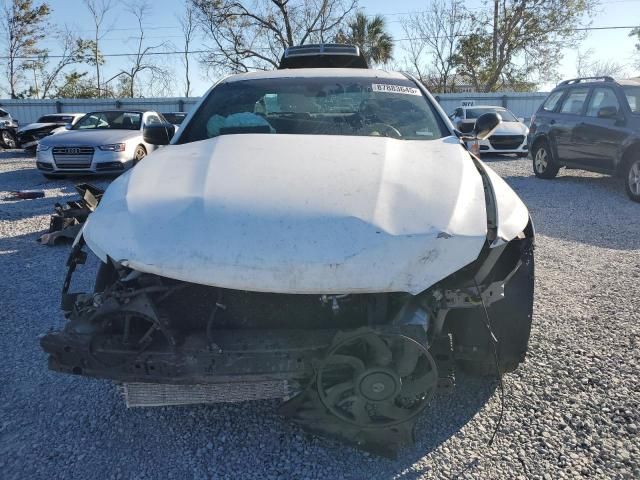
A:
297, 213
90, 137
37, 126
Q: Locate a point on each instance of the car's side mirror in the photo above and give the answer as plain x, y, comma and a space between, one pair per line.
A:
486, 124
158, 134
465, 127
68, 126
608, 112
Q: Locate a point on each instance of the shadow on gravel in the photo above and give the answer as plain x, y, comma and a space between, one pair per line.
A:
444, 418
581, 208
446, 415
17, 154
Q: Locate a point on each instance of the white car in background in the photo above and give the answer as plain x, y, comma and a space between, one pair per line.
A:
102, 142
509, 137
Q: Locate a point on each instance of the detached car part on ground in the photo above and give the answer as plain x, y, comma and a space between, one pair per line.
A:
66, 222
326, 239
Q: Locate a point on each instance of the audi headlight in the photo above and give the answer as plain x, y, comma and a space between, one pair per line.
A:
114, 147
42, 148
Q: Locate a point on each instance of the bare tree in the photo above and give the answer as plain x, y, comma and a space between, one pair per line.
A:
99, 9
433, 37
73, 51
636, 33
586, 67
188, 26
249, 34
24, 26
144, 60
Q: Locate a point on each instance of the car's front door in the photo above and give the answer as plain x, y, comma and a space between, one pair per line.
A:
600, 133
567, 118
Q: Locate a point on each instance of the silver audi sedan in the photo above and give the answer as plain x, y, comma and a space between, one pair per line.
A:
104, 142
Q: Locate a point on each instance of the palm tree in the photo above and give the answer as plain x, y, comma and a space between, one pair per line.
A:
370, 36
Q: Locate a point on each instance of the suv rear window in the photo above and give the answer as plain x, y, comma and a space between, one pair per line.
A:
550, 103
575, 101
633, 98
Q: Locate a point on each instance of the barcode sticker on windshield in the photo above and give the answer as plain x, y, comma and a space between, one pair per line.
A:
386, 88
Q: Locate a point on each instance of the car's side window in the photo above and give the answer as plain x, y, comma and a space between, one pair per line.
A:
602, 97
575, 101
94, 121
552, 101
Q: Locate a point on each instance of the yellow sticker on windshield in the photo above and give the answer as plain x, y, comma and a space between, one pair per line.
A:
386, 88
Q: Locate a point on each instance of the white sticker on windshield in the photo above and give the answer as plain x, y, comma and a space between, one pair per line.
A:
386, 88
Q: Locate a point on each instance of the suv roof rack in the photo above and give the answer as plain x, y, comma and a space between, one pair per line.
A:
323, 55
571, 81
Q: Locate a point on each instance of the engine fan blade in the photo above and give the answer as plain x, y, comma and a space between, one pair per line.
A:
382, 355
392, 411
334, 393
359, 411
353, 362
422, 384
407, 359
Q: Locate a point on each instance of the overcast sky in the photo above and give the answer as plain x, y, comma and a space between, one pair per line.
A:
162, 24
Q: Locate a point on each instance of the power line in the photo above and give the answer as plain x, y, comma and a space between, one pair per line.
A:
390, 14
197, 52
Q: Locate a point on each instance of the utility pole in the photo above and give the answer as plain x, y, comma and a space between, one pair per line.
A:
496, 12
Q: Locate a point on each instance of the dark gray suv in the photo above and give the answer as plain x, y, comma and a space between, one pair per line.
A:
589, 123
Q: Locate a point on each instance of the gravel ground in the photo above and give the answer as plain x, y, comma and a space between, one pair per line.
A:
572, 408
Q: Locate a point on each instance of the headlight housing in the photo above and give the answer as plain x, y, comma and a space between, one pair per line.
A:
113, 147
42, 148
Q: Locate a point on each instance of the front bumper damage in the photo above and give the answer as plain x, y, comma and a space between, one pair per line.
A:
359, 368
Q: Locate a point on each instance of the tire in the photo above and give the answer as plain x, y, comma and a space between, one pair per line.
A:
8, 139
139, 154
632, 179
544, 165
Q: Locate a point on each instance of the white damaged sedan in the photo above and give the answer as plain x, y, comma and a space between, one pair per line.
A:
319, 234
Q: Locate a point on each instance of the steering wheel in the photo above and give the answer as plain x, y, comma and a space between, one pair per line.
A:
387, 130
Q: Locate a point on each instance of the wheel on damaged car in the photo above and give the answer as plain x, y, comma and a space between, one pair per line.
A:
377, 380
8, 139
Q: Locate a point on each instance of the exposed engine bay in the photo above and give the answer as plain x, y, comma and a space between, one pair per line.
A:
356, 367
